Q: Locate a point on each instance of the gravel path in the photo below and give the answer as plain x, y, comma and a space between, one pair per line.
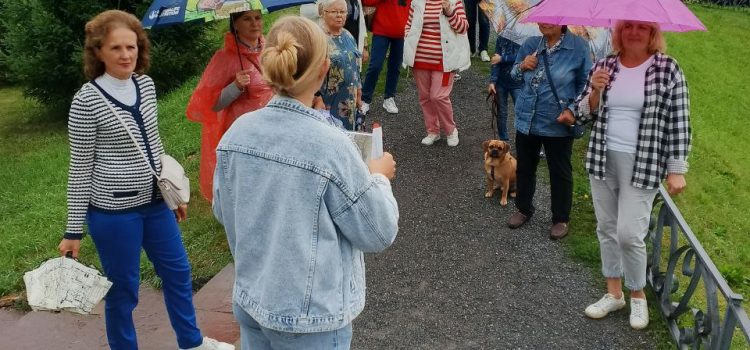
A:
457, 277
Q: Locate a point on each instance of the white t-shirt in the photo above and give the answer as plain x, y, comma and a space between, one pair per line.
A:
625, 103
121, 90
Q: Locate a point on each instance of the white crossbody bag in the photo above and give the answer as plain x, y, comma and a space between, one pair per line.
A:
173, 184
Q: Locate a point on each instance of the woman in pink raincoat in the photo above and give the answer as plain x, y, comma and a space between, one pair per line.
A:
231, 86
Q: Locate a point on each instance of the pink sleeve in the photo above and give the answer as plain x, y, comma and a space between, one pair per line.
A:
458, 20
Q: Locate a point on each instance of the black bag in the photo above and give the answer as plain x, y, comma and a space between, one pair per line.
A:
576, 130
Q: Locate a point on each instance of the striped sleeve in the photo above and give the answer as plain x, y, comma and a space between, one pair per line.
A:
408, 21
82, 139
458, 19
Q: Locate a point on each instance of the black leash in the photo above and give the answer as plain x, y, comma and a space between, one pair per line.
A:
493, 113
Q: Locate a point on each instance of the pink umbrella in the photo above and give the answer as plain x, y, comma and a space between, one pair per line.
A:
671, 15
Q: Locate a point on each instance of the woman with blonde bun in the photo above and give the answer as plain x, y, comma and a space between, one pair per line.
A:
299, 205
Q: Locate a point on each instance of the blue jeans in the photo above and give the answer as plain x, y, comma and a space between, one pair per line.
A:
256, 337
501, 100
118, 238
379, 47
474, 14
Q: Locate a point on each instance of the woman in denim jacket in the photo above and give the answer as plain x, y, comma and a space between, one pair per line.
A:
537, 112
299, 205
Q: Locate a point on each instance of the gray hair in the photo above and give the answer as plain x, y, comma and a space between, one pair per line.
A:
324, 4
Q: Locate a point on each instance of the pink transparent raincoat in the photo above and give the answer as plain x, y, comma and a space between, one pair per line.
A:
219, 73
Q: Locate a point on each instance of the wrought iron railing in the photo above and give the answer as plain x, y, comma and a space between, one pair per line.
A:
687, 258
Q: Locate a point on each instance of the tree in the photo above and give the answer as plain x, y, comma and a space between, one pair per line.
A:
44, 40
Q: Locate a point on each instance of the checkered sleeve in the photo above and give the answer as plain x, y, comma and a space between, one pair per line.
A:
582, 109
680, 133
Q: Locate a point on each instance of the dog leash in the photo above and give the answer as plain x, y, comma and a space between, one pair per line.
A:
493, 113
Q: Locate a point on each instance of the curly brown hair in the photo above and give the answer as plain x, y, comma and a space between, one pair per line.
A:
97, 30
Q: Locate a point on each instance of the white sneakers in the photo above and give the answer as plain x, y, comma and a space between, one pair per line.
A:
607, 304
364, 108
430, 139
484, 56
390, 105
453, 138
638, 313
212, 344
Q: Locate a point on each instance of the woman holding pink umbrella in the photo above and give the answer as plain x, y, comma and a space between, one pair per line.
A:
638, 101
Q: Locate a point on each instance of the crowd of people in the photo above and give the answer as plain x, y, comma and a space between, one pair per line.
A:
275, 109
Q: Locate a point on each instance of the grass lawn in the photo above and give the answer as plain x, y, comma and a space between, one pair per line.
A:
34, 154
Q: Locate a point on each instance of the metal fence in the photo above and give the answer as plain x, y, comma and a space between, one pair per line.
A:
691, 326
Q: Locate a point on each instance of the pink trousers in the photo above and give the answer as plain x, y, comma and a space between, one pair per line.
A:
434, 88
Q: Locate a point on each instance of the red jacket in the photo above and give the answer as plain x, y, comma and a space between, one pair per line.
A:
390, 18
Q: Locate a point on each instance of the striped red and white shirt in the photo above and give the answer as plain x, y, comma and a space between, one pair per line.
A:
429, 53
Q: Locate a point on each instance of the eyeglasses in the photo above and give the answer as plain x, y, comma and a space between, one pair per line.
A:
337, 13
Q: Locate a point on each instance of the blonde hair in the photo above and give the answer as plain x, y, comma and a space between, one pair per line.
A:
97, 30
296, 49
656, 42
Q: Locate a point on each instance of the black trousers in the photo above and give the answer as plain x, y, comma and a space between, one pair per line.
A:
558, 151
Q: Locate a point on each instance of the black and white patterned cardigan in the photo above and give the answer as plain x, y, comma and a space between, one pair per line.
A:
664, 133
107, 171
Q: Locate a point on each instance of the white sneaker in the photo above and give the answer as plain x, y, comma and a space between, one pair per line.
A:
456, 77
453, 138
364, 108
390, 105
485, 57
212, 344
638, 313
430, 139
605, 305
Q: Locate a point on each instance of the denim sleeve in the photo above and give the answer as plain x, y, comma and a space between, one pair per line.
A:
582, 75
495, 68
525, 50
369, 219
218, 182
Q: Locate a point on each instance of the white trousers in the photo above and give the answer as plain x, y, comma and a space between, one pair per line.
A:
623, 213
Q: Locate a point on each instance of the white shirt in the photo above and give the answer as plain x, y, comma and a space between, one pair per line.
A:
121, 90
625, 105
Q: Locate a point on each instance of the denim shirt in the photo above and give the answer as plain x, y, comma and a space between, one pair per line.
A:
299, 207
536, 108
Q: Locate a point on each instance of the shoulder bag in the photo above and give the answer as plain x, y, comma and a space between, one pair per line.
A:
576, 130
173, 184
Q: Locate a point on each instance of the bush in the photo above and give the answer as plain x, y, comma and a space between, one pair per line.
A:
44, 41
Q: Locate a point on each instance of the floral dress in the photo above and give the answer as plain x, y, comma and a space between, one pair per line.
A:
339, 90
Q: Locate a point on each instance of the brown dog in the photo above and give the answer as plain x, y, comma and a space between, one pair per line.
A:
499, 169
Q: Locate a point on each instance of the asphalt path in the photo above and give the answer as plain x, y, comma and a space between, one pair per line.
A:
456, 276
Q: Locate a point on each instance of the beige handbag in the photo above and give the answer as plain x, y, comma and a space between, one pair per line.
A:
173, 184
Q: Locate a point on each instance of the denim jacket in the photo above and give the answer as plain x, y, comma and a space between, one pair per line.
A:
299, 207
500, 73
536, 108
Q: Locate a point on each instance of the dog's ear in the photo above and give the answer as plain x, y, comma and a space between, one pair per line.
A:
486, 145
506, 147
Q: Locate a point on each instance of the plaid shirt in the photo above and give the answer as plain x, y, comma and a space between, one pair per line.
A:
664, 132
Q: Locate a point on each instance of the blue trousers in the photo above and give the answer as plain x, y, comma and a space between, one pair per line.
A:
501, 100
256, 337
380, 45
119, 238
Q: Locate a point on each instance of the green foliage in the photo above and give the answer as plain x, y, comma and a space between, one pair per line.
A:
44, 41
